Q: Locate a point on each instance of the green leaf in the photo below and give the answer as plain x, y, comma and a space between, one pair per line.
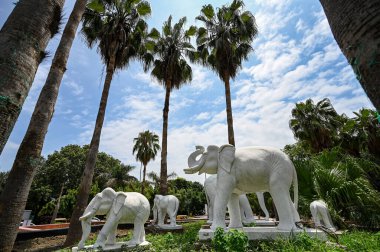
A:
154, 34
191, 31
96, 6
208, 11
143, 8
149, 45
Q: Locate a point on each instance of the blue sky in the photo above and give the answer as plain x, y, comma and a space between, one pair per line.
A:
295, 58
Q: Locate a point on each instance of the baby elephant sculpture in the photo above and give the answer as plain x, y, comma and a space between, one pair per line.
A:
120, 207
247, 170
245, 208
320, 212
165, 205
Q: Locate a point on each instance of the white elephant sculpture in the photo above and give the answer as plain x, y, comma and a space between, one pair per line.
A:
120, 207
246, 170
245, 208
320, 212
163, 205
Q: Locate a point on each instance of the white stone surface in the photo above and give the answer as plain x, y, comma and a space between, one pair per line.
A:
260, 223
267, 233
115, 247
163, 205
321, 215
120, 207
169, 227
246, 170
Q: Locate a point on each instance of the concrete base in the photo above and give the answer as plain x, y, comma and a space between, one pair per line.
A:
169, 227
119, 246
265, 223
267, 233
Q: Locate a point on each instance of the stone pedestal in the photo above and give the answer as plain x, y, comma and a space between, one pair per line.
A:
264, 223
119, 246
169, 227
267, 233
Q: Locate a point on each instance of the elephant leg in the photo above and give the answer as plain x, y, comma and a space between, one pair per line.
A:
223, 192
105, 231
327, 219
247, 209
211, 211
242, 215
260, 198
142, 235
138, 225
283, 204
112, 235
234, 210
173, 221
86, 230
314, 214
161, 216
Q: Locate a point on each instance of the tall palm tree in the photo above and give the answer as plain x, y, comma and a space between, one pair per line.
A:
356, 27
117, 27
167, 51
223, 43
316, 125
146, 147
119, 176
23, 40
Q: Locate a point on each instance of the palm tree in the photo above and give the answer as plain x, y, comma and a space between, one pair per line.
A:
223, 43
316, 125
356, 27
32, 143
119, 176
117, 27
171, 69
23, 40
146, 147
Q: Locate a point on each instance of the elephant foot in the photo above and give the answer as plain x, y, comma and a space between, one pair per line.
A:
267, 218
81, 245
214, 226
249, 221
133, 243
98, 245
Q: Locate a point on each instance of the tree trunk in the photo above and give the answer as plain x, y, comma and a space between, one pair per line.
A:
143, 180
164, 150
52, 221
23, 40
75, 230
356, 28
230, 123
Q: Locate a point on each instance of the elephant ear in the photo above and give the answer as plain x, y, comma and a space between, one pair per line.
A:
118, 202
226, 157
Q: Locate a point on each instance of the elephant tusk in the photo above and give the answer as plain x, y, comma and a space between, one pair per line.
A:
83, 217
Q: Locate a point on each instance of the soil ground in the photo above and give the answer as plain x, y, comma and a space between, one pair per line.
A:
51, 243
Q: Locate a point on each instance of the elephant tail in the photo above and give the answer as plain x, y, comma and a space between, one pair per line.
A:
295, 187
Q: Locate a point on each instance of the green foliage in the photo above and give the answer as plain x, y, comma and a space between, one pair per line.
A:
190, 194
233, 240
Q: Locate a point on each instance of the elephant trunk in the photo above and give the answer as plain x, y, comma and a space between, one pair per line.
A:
196, 165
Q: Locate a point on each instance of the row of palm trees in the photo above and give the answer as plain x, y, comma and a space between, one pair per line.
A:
119, 30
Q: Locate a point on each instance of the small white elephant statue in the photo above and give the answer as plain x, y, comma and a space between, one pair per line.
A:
320, 212
165, 204
245, 208
248, 170
120, 207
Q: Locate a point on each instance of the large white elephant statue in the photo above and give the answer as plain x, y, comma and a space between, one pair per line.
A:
163, 205
245, 208
320, 212
120, 207
248, 170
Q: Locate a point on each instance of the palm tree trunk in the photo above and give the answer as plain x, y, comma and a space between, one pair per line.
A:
164, 150
143, 180
230, 123
52, 221
356, 28
75, 230
23, 40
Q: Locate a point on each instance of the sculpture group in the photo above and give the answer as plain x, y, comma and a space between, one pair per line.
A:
237, 171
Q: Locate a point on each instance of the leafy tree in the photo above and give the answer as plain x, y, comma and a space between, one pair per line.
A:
155, 179
118, 177
223, 43
117, 27
360, 44
145, 146
166, 52
190, 194
315, 125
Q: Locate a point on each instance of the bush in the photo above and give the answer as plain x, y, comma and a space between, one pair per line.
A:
232, 241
